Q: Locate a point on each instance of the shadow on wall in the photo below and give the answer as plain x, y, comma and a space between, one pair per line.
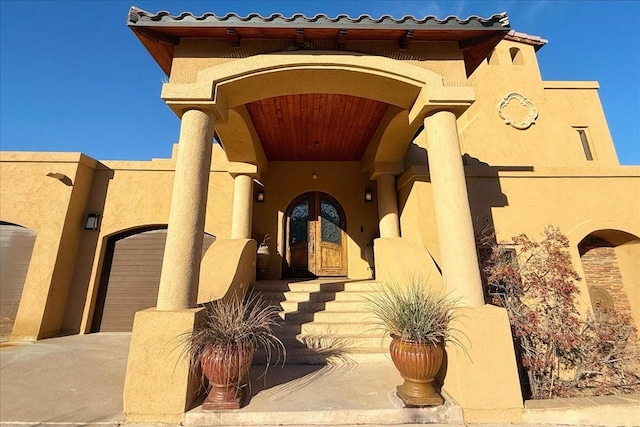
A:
484, 191
79, 288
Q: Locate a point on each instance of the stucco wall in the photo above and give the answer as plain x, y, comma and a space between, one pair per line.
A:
193, 55
628, 255
578, 200
552, 140
132, 195
518, 180
55, 209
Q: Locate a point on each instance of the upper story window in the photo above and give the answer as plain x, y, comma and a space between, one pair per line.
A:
586, 146
516, 56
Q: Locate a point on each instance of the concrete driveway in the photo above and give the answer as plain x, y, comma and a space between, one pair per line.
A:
74, 379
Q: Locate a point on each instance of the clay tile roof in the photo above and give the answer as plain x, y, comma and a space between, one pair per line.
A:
535, 41
161, 32
140, 17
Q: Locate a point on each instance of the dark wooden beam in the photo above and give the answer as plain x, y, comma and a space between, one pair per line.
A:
300, 38
342, 38
405, 41
232, 36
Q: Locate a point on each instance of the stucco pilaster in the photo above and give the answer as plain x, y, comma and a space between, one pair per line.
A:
388, 206
455, 230
183, 250
242, 207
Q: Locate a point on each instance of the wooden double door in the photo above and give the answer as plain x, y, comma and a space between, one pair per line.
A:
315, 236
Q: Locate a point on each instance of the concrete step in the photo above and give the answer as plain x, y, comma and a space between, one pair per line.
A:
333, 395
350, 295
275, 297
333, 306
326, 316
320, 285
331, 356
326, 321
328, 341
324, 328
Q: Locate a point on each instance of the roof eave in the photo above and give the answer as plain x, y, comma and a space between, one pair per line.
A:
152, 29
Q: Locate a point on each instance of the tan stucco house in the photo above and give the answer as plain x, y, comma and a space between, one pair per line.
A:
362, 147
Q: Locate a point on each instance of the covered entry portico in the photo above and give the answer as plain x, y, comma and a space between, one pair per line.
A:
310, 106
412, 97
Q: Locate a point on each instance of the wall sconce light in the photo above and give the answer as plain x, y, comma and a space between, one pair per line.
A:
92, 221
368, 195
260, 196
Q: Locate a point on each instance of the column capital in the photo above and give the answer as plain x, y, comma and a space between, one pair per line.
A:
241, 168
179, 107
183, 97
386, 168
455, 99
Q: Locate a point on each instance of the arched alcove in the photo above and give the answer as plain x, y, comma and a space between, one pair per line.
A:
612, 274
516, 56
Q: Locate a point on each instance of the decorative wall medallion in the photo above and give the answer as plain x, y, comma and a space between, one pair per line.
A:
517, 111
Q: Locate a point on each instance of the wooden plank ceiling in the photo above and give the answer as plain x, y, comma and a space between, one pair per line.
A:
315, 126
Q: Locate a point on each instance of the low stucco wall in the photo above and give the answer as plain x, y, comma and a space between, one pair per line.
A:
227, 268
159, 386
483, 377
400, 260
621, 410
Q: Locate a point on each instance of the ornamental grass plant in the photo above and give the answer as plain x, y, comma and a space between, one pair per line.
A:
234, 324
415, 313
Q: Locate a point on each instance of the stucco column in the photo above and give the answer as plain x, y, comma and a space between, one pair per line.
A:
388, 206
455, 230
242, 207
183, 250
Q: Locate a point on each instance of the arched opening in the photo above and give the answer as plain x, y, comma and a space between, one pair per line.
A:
260, 88
516, 56
611, 271
131, 276
315, 236
16, 246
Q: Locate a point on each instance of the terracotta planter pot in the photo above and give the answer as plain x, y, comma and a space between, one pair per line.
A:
227, 370
418, 365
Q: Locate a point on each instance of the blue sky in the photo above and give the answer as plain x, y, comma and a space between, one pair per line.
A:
73, 77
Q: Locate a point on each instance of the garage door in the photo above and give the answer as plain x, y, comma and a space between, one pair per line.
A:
16, 245
131, 276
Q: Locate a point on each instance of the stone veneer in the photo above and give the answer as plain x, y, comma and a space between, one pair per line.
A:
602, 273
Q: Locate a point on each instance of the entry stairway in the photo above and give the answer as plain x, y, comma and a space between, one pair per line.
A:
326, 321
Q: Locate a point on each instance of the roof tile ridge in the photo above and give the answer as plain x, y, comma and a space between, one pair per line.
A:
135, 14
